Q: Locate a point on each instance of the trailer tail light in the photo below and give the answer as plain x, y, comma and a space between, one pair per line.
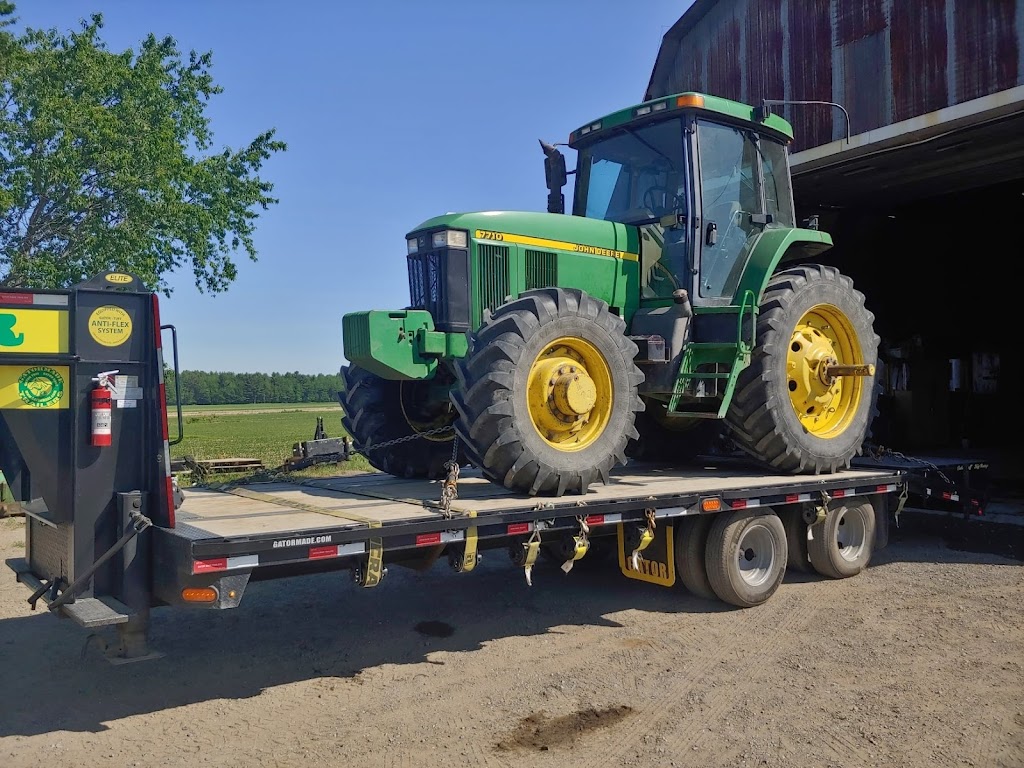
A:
199, 595
710, 505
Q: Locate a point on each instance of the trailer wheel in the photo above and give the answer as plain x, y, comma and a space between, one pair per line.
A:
841, 545
796, 538
378, 410
788, 412
746, 556
690, 544
547, 394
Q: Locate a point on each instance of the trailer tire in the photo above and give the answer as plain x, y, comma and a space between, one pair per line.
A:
785, 413
796, 538
841, 545
750, 538
371, 417
690, 544
526, 422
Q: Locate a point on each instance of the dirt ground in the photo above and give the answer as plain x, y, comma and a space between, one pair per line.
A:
917, 662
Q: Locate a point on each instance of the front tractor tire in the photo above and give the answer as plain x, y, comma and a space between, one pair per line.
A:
548, 393
788, 411
379, 410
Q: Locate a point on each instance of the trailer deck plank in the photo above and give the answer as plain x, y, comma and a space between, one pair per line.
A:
390, 500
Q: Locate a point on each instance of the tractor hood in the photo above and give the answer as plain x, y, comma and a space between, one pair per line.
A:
562, 232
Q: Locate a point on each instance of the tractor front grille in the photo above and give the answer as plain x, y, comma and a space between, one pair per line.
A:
541, 269
439, 283
492, 276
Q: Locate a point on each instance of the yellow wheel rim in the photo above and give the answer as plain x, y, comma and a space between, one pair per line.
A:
825, 405
569, 394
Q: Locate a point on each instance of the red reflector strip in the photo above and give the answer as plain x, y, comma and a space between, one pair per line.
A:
838, 493
514, 529
169, 489
156, 322
225, 563
738, 503
209, 566
595, 519
15, 298
318, 553
947, 495
428, 539
792, 498
163, 415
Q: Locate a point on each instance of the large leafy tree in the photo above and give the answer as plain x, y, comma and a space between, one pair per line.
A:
107, 162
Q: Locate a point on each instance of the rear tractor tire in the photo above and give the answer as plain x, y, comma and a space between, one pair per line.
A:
547, 395
788, 411
379, 410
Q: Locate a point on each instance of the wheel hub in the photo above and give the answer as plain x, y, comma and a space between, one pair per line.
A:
569, 393
574, 393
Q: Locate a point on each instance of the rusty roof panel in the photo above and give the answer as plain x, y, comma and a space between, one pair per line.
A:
857, 20
810, 71
885, 60
724, 76
987, 47
763, 41
918, 35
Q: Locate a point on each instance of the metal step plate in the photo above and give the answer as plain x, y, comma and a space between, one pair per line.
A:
96, 612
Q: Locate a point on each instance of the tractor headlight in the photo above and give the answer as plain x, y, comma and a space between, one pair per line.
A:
450, 238
413, 245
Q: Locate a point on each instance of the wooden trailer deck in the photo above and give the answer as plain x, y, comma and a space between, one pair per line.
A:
378, 500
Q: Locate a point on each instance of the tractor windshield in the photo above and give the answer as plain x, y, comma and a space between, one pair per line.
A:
635, 176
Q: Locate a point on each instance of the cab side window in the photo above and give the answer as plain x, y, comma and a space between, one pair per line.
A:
778, 194
730, 195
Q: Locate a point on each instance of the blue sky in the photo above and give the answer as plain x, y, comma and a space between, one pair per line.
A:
393, 112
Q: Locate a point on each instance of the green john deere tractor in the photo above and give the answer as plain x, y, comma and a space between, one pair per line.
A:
679, 296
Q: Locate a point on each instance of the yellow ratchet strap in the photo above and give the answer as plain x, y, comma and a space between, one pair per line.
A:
531, 550
469, 552
581, 544
646, 537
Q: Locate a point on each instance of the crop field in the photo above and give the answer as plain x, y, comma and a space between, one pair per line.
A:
267, 434
242, 407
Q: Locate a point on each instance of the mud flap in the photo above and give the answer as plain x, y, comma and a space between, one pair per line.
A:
656, 562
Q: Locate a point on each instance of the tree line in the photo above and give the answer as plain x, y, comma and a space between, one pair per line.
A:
216, 388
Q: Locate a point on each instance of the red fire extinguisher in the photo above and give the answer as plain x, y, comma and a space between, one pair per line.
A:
100, 400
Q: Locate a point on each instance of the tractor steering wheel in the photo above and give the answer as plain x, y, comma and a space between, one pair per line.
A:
666, 195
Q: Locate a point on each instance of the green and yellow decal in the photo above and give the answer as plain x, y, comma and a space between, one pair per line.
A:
33, 331
36, 387
560, 245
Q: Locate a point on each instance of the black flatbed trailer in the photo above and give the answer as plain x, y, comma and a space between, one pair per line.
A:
109, 537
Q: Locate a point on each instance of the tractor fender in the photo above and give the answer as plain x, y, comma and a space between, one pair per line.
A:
771, 248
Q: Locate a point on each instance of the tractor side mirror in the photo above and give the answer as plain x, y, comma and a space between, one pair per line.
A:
555, 177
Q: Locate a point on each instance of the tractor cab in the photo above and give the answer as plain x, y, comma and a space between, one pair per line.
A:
700, 186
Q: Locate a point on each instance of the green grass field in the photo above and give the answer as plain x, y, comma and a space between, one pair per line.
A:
264, 436
259, 407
